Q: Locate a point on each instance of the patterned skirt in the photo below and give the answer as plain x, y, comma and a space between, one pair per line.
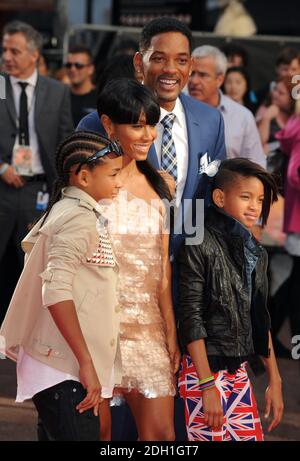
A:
241, 418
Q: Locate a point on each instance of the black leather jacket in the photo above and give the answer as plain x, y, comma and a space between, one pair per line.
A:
214, 297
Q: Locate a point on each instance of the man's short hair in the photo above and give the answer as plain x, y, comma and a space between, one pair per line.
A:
81, 48
161, 25
33, 37
205, 51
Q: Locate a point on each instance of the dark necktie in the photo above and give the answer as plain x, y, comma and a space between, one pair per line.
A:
23, 116
168, 152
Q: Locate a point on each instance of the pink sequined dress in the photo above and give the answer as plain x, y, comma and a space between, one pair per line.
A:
137, 244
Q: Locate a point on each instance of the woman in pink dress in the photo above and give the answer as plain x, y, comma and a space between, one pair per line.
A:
148, 344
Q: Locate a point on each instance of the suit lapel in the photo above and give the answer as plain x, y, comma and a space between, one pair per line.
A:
194, 141
10, 103
40, 97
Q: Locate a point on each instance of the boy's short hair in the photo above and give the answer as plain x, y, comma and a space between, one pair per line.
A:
231, 171
161, 25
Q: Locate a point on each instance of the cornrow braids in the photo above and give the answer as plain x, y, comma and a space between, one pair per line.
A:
75, 148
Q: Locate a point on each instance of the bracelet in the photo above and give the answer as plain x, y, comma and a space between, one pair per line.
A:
204, 380
3, 168
207, 383
205, 387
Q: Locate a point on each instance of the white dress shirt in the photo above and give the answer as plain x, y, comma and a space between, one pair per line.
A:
34, 376
37, 167
241, 134
179, 133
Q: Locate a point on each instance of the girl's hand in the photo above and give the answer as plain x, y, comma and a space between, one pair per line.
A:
212, 408
90, 382
174, 352
274, 400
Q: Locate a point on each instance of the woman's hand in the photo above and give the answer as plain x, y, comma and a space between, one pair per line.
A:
90, 382
274, 402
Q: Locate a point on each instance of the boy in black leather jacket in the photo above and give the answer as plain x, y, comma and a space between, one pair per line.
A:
223, 317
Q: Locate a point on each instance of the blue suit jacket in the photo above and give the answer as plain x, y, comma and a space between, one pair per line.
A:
205, 129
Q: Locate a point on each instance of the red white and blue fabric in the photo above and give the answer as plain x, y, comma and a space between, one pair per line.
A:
241, 418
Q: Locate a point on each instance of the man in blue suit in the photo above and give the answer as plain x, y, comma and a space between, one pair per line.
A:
165, 63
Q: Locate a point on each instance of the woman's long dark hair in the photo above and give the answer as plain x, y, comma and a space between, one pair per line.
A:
75, 148
123, 100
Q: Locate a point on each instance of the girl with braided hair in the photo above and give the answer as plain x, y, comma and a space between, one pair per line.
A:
62, 324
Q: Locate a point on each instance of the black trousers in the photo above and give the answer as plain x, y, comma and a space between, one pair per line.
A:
17, 212
58, 418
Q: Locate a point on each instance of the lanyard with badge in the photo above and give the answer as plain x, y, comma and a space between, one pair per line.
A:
22, 152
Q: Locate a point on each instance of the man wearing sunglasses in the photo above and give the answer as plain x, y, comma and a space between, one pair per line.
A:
80, 70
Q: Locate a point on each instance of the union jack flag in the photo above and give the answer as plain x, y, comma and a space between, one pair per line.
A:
241, 418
